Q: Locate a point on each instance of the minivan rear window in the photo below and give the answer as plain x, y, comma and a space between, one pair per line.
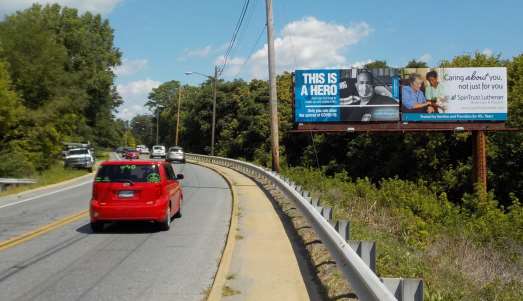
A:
128, 172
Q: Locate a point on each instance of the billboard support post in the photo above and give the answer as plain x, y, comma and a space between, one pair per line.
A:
479, 159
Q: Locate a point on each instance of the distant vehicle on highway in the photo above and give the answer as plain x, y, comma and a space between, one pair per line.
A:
158, 151
175, 154
79, 158
135, 191
132, 155
142, 149
123, 149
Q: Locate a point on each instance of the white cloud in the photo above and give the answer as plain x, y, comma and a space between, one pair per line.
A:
425, 58
135, 96
361, 64
195, 53
309, 43
129, 67
94, 6
488, 52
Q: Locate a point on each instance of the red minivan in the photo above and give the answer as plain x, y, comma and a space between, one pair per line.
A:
135, 191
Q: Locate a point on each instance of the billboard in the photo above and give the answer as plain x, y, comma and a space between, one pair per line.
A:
346, 95
454, 94
410, 94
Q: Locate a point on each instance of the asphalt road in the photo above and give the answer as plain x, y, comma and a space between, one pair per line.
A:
129, 261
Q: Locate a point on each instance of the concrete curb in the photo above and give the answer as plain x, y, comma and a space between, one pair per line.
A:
215, 292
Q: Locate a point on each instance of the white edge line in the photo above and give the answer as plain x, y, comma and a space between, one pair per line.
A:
45, 194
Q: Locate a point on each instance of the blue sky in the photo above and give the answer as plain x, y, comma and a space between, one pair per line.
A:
161, 39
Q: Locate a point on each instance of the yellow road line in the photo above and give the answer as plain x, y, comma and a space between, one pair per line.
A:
42, 230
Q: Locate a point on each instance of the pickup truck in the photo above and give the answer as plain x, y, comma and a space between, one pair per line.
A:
79, 158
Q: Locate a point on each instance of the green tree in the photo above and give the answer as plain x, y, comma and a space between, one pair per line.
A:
377, 64
60, 64
416, 64
11, 109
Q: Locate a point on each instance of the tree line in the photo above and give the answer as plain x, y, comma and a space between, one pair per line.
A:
442, 161
56, 85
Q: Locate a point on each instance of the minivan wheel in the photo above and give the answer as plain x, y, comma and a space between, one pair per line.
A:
97, 227
166, 224
178, 214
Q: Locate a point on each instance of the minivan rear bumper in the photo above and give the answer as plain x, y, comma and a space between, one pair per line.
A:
154, 212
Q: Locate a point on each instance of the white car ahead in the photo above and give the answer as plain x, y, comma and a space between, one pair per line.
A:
158, 151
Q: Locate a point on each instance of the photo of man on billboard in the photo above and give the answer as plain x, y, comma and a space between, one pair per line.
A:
364, 99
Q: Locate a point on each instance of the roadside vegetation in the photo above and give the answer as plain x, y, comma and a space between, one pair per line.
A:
467, 252
56, 85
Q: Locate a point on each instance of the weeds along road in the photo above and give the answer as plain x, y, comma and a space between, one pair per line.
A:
64, 260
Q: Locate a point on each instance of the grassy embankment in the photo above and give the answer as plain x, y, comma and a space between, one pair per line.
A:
469, 252
56, 174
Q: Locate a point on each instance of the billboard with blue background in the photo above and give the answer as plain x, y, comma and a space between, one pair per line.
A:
316, 96
346, 95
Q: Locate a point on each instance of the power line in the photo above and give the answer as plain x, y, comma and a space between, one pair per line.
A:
253, 48
234, 36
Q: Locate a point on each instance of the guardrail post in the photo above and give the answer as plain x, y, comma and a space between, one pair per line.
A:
366, 250
305, 193
327, 213
405, 289
315, 201
412, 290
343, 228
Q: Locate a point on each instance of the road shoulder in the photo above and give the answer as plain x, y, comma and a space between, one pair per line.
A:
261, 263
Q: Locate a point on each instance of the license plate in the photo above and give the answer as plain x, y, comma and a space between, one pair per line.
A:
126, 194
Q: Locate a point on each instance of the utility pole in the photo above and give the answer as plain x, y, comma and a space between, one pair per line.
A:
215, 83
273, 97
178, 115
157, 122
215, 79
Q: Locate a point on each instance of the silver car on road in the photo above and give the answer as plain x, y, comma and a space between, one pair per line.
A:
175, 154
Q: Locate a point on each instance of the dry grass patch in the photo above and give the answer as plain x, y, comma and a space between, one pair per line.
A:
227, 291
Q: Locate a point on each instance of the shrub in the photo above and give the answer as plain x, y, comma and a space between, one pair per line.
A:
15, 164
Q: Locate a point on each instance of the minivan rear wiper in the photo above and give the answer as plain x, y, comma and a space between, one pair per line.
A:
125, 181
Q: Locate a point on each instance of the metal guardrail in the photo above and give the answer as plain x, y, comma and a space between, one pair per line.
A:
365, 283
4, 182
